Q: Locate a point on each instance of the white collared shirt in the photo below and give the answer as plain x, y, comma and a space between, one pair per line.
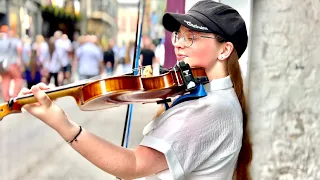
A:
201, 138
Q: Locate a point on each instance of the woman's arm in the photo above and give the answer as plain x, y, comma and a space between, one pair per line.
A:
118, 161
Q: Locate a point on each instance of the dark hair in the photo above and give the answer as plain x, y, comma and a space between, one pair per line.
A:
51, 46
245, 156
33, 64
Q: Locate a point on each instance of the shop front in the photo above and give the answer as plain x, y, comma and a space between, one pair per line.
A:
3, 11
31, 18
55, 18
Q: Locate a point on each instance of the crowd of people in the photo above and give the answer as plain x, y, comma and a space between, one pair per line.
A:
57, 60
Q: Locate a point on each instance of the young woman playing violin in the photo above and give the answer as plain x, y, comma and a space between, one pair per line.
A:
205, 138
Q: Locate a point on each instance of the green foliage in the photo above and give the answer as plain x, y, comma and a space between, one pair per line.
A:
60, 13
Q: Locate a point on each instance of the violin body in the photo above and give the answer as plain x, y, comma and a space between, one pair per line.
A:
157, 88
102, 94
113, 91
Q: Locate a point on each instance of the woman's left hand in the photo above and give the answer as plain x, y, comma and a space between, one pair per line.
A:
46, 110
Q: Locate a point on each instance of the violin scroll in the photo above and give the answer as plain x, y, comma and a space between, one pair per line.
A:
6, 109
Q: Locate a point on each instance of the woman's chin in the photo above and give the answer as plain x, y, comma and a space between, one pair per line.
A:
182, 59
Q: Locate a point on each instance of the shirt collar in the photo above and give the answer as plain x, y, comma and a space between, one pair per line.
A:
221, 83
214, 85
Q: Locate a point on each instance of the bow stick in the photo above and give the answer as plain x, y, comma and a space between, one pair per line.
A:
127, 124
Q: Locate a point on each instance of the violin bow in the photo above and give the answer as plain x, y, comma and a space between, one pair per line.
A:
127, 124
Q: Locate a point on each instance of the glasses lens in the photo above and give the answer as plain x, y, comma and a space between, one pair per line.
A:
174, 37
188, 36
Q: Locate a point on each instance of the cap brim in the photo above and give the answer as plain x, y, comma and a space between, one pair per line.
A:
173, 21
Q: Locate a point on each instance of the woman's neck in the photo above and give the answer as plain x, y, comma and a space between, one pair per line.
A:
218, 70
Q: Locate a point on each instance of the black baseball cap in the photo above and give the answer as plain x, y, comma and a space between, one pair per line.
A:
211, 17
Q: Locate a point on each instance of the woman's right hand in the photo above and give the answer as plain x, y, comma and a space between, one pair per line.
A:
46, 110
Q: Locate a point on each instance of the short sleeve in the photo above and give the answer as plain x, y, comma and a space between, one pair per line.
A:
34, 46
45, 46
153, 54
19, 43
100, 55
78, 52
196, 132
69, 45
142, 52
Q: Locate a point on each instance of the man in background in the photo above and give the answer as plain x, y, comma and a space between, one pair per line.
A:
10, 49
89, 59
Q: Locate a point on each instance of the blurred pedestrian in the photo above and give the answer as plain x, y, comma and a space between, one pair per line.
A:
109, 58
10, 50
89, 58
32, 72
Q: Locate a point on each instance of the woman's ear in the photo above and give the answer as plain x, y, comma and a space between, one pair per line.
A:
227, 49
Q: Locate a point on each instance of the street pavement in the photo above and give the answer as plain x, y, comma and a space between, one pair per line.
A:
30, 150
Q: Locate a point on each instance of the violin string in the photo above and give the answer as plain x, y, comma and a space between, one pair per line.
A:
142, 68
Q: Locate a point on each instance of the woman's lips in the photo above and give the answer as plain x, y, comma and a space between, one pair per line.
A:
181, 57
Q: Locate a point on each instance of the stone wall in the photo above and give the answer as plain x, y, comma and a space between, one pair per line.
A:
284, 89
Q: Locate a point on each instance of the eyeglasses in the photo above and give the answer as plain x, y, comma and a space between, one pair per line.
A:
187, 38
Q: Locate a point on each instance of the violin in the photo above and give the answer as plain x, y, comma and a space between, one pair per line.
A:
119, 90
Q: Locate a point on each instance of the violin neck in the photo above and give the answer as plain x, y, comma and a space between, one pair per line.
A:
62, 91
15, 104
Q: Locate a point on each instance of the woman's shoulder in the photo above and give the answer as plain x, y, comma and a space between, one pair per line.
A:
214, 101
212, 109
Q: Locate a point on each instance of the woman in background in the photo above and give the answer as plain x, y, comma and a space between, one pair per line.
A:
32, 70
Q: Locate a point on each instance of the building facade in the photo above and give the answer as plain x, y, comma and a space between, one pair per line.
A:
3, 12
23, 17
127, 22
63, 15
99, 18
157, 10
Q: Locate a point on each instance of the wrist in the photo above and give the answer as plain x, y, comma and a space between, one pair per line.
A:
68, 131
76, 136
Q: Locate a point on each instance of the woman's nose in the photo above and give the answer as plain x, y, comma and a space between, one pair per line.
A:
179, 43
